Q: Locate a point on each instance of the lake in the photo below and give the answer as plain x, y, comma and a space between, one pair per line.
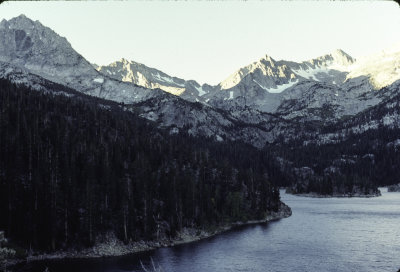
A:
323, 234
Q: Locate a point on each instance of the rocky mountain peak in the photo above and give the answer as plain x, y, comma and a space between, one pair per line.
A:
337, 59
124, 61
26, 24
268, 60
29, 45
21, 21
265, 73
23, 38
342, 58
142, 75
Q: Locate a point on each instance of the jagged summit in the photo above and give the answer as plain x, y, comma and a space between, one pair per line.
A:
21, 22
269, 73
267, 58
33, 34
29, 44
125, 63
341, 57
340, 52
337, 58
123, 60
21, 17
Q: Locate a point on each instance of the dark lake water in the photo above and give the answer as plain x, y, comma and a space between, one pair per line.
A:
334, 234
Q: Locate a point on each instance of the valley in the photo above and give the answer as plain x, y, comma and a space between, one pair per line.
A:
126, 151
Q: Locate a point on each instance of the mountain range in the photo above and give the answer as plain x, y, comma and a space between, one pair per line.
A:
266, 103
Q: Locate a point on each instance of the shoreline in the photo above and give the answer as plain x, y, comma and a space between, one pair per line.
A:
315, 195
113, 247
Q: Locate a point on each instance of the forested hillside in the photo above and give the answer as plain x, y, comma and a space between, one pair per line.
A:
72, 168
357, 165
352, 156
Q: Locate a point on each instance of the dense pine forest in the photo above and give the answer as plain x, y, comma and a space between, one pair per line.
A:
73, 167
358, 164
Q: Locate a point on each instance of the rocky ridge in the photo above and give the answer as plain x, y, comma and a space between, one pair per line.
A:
263, 94
142, 75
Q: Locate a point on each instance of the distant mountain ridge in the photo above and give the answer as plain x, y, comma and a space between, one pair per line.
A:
272, 76
271, 86
142, 75
267, 103
323, 89
272, 73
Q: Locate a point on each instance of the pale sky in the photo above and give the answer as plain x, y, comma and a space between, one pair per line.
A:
208, 40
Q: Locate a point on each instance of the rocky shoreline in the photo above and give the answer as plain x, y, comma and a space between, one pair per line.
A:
356, 192
110, 246
315, 195
394, 188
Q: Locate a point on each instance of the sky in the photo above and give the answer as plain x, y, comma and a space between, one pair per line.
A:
209, 40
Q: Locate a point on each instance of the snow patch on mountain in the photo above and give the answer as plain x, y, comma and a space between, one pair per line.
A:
200, 90
282, 87
311, 73
382, 68
167, 79
99, 80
